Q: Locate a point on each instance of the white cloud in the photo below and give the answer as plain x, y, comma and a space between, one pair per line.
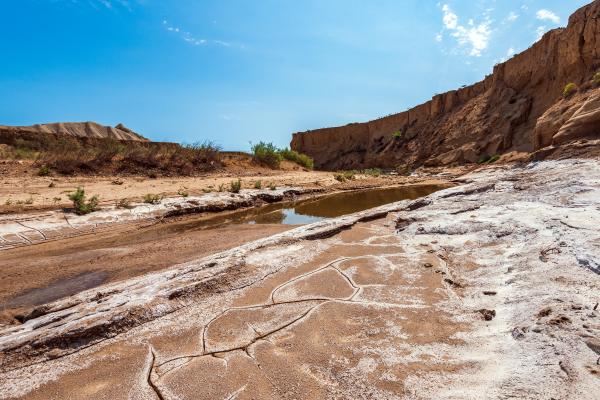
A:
546, 15
450, 19
475, 36
438, 37
512, 17
510, 52
540, 32
189, 38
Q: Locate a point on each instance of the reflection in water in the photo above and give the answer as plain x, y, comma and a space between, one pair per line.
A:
304, 211
335, 205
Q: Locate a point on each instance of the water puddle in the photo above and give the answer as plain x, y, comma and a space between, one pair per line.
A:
336, 205
312, 210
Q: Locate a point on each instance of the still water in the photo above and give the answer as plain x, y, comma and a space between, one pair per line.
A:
335, 205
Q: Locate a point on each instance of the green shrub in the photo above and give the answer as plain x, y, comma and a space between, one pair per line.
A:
267, 154
150, 198
345, 176
596, 78
299, 158
235, 186
79, 202
222, 187
569, 89
272, 186
397, 135
43, 171
258, 185
375, 172
183, 193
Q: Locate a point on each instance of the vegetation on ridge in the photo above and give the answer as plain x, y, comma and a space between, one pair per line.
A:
268, 154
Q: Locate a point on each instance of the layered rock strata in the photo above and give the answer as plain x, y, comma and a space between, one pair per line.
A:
496, 115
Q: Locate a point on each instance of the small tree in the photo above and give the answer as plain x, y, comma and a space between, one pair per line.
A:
79, 202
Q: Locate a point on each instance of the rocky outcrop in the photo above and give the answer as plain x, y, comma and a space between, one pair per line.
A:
79, 129
496, 115
568, 120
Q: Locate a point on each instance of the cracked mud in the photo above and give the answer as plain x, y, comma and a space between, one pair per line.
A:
351, 308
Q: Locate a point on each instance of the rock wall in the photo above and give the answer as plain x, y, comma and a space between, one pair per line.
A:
496, 115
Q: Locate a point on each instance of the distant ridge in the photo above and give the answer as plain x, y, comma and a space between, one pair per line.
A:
81, 129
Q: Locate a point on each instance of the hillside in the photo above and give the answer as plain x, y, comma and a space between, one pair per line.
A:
80, 129
519, 107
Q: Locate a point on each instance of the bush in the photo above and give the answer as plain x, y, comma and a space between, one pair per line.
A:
258, 185
79, 202
150, 198
235, 186
267, 154
183, 193
375, 172
43, 171
596, 78
272, 186
569, 89
397, 135
299, 158
345, 176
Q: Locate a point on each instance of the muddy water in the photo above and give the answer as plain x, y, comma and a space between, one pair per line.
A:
315, 209
339, 204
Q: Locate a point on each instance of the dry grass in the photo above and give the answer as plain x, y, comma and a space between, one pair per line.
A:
67, 155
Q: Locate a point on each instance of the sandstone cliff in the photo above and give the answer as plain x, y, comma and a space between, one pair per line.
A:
80, 129
518, 107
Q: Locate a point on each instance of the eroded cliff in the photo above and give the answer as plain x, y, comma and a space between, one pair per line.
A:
520, 106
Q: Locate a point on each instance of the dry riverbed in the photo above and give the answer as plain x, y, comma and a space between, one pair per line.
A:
487, 290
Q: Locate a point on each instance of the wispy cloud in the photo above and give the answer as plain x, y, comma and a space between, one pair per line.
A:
475, 37
191, 39
512, 17
547, 15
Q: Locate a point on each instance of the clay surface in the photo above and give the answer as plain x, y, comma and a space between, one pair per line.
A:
487, 290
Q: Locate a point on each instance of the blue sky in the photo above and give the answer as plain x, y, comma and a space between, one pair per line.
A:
234, 71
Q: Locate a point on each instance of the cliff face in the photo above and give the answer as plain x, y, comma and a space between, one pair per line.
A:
80, 129
496, 115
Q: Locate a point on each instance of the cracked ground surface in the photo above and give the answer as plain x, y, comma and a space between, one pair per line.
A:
488, 290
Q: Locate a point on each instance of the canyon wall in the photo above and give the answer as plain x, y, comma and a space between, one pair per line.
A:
496, 115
